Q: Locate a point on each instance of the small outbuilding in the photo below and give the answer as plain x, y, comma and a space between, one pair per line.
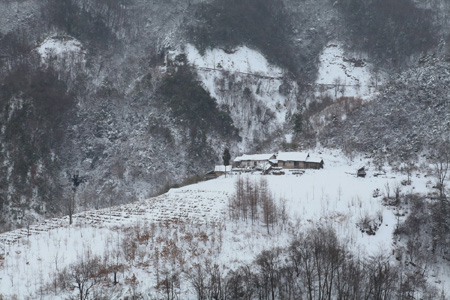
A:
361, 172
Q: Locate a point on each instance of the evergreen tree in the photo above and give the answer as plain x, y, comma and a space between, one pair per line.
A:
226, 159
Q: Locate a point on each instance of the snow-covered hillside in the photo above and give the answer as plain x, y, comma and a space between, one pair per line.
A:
191, 225
341, 75
345, 81
260, 96
243, 81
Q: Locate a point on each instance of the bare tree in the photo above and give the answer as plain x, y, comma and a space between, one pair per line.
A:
69, 202
216, 286
382, 277
75, 180
235, 202
240, 284
408, 167
169, 284
248, 193
114, 262
269, 208
198, 281
337, 85
441, 166
397, 192
283, 211
253, 200
269, 264
84, 274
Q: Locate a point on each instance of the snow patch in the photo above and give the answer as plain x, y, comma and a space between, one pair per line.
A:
288, 137
242, 59
341, 75
59, 47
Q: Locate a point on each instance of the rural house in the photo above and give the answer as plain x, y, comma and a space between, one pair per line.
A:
253, 160
298, 160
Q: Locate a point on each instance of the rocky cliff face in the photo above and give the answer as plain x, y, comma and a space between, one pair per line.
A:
137, 95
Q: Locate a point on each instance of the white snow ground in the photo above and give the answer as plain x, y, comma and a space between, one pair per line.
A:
191, 223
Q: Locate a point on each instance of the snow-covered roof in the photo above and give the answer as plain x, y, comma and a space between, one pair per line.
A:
297, 156
256, 157
221, 168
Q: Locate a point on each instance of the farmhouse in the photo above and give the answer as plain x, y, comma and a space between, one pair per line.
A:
253, 160
298, 160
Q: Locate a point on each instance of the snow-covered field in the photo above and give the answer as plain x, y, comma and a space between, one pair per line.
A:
189, 224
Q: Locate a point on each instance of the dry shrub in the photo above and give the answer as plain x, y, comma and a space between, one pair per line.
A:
144, 237
203, 237
188, 237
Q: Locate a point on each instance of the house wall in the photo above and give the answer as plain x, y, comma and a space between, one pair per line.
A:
312, 165
252, 163
298, 165
210, 176
286, 164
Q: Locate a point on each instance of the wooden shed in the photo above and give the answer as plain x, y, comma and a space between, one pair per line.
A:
361, 172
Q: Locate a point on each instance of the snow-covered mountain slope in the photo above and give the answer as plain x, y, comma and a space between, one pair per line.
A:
342, 75
249, 87
192, 225
411, 116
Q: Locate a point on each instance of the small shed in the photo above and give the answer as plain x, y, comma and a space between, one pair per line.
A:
361, 172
